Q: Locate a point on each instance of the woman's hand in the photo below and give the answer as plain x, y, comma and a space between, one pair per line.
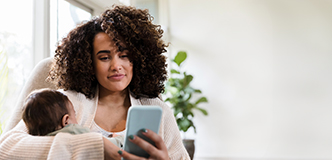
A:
158, 153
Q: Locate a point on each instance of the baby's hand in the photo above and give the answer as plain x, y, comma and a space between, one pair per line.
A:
110, 150
117, 140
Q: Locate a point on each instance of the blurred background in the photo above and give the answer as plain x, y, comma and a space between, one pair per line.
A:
264, 65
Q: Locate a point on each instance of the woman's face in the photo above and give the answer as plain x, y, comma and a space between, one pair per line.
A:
112, 67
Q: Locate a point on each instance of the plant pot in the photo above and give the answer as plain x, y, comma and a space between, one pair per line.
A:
189, 144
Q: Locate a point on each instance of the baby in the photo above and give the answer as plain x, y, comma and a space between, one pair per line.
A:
48, 112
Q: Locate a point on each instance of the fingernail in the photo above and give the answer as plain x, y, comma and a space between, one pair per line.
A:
131, 137
144, 130
120, 152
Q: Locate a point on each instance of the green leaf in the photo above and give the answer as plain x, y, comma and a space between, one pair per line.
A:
177, 111
189, 89
180, 57
198, 91
173, 90
192, 125
203, 111
175, 71
191, 114
202, 99
187, 79
188, 98
189, 107
184, 124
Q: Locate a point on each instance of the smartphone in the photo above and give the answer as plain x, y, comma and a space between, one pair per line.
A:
138, 118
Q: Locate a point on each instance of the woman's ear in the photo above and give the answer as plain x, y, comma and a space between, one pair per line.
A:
65, 120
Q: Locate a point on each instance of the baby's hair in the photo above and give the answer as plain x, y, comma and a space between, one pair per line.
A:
44, 110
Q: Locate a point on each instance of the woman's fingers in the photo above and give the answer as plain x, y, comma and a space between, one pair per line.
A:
128, 156
149, 148
159, 152
155, 138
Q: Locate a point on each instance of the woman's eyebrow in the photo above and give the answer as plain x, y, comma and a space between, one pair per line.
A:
122, 48
103, 51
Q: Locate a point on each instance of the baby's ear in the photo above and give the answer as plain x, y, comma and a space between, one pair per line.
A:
65, 120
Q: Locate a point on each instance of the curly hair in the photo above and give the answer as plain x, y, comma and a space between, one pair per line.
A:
73, 69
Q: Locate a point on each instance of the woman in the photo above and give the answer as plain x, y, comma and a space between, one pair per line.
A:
105, 66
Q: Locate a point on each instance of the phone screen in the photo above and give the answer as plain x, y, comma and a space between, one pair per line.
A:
138, 118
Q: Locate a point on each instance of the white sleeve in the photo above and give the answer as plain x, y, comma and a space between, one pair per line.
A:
17, 144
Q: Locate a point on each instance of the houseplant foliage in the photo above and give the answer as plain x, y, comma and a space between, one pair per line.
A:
179, 93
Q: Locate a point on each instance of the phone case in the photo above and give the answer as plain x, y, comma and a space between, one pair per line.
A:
138, 118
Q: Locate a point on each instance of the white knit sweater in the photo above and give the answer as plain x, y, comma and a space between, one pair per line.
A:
18, 144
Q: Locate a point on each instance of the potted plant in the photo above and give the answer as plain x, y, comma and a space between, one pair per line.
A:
179, 94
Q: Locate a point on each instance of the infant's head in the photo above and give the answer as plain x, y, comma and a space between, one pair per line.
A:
47, 111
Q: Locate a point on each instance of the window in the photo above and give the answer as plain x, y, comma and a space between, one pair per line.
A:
151, 5
159, 10
64, 17
23, 32
16, 59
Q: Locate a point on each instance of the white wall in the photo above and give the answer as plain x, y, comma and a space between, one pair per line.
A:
266, 68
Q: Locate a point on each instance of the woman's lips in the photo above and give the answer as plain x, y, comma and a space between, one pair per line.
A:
116, 77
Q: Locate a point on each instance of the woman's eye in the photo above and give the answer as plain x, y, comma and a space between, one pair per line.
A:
103, 58
123, 56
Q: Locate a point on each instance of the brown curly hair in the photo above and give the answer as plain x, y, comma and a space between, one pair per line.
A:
73, 69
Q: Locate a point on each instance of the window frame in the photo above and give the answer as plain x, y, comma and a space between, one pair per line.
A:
41, 28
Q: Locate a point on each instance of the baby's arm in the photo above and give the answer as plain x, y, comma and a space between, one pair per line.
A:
110, 150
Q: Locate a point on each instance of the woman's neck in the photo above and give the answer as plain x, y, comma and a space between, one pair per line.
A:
113, 99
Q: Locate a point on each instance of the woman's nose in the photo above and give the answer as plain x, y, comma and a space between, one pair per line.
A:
115, 64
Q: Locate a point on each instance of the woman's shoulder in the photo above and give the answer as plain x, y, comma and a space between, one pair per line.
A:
148, 101
154, 101
71, 93
74, 96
